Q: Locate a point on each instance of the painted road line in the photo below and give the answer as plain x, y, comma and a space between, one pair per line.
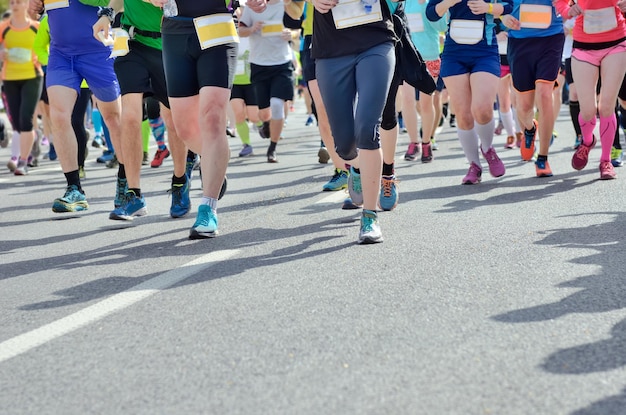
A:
27, 341
335, 197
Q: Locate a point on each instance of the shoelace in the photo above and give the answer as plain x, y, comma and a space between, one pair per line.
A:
388, 186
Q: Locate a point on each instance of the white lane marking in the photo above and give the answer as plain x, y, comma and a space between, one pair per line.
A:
27, 341
334, 197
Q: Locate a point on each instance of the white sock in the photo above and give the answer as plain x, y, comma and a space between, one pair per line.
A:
515, 120
485, 132
507, 121
469, 143
212, 202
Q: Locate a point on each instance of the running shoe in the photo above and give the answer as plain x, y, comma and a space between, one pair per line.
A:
72, 201
452, 120
322, 155
542, 167
473, 175
81, 172
264, 130
132, 207
223, 188
496, 167
337, 182
107, 155
21, 169
433, 144
581, 155
246, 150
159, 157
427, 153
191, 164
412, 152
607, 172
120, 192
510, 142
617, 157
388, 198
52, 153
181, 203
518, 139
499, 128
97, 141
309, 121
579, 139
271, 156
527, 150
12, 164
145, 159
369, 232
113, 163
205, 225
354, 187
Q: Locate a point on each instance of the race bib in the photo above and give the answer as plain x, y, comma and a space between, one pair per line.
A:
241, 67
350, 13
20, 55
599, 21
467, 32
535, 16
120, 43
272, 28
502, 46
215, 30
416, 22
56, 4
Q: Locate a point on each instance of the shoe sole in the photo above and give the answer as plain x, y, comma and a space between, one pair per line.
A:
141, 212
194, 234
61, 207
369, 241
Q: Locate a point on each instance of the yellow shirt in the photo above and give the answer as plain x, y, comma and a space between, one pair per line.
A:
21, 62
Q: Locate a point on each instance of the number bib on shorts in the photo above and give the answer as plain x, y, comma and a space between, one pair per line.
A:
215, 30
599, 21
349, 13
416, 22
535, 16
467, 32
56, 4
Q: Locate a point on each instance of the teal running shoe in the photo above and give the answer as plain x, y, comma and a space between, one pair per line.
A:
370, 232
354, 187
337, 182
388, 198
72, 201
133, 207
120, 192
205, 225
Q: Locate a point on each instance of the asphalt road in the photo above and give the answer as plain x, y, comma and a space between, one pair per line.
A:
506, 297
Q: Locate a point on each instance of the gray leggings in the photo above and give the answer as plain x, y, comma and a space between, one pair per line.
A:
367, 74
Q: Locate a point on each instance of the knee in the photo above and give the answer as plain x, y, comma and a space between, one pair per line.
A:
277, 108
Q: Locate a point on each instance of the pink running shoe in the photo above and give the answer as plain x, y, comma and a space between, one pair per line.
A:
607, 172
496, 167
581, 155
473, 174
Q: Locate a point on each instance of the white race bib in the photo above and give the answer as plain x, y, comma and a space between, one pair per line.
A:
467, 32
599, 21
416, 22
535, 16
215, 30
20, 55
349, 13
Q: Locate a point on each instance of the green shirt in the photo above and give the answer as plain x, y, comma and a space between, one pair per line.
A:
144, 16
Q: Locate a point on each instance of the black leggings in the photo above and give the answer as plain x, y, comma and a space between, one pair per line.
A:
78, 123
22, 99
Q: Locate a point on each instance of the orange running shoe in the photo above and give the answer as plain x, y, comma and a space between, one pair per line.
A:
527, 150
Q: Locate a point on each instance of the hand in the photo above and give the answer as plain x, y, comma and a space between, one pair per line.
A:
257, 26
35, 7
324, 6
478, 6
103, 25
510, 22
286, 35
502, 36
257, 6
574, 11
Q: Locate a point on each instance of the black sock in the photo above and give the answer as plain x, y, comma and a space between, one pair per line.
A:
73, 178
357, 171
574, 110
272, 146
542, 158
179, 180
387, 169
136, 191
121, 172
532, 130
191, 156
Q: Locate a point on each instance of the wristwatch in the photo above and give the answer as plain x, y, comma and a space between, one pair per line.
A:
108, 12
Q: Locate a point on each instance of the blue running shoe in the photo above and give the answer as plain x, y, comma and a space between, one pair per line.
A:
354, 187
52, 153
191, 164
337, 182
370, 232
205, 225
181, 203
133, 206
246, 151
388, 198
72, 201
106, 156
120, 192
